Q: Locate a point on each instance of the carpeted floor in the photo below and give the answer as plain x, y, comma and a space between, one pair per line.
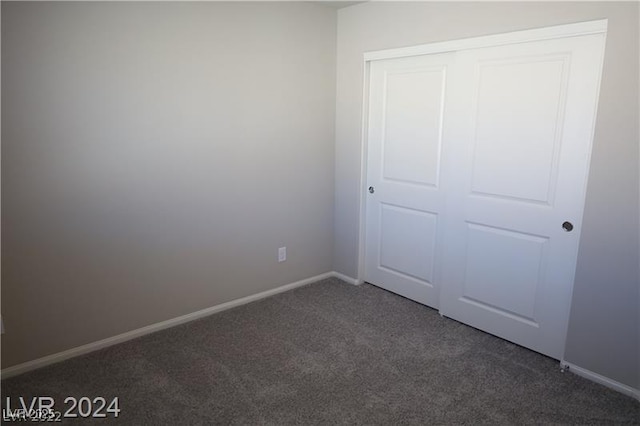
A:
327, 353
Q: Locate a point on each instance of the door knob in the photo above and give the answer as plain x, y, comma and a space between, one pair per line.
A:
567, 226
372, 190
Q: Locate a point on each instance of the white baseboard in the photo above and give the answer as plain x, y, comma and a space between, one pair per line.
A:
110, 341
100, 344
610, 383
346, 278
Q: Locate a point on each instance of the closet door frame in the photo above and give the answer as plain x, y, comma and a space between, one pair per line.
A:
538, 34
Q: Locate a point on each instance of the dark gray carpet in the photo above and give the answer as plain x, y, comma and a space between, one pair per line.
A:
328, 353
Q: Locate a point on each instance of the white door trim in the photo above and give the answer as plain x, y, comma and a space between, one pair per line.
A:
537, 34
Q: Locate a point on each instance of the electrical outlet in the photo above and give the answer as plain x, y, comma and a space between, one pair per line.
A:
282, 254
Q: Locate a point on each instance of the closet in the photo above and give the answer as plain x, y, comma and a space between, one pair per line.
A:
477, 157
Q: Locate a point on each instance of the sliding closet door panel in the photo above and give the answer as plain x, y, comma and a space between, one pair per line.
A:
521, 142
405, 153
412, 133
518, 117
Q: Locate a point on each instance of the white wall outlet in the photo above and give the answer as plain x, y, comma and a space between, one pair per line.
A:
282, 254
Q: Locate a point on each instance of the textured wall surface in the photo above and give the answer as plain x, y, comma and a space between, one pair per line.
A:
154, 158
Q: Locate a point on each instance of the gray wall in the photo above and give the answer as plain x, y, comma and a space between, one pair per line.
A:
603, 331
154, 157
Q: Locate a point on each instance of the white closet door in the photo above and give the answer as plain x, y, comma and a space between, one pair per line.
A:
406, 200
520, 152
